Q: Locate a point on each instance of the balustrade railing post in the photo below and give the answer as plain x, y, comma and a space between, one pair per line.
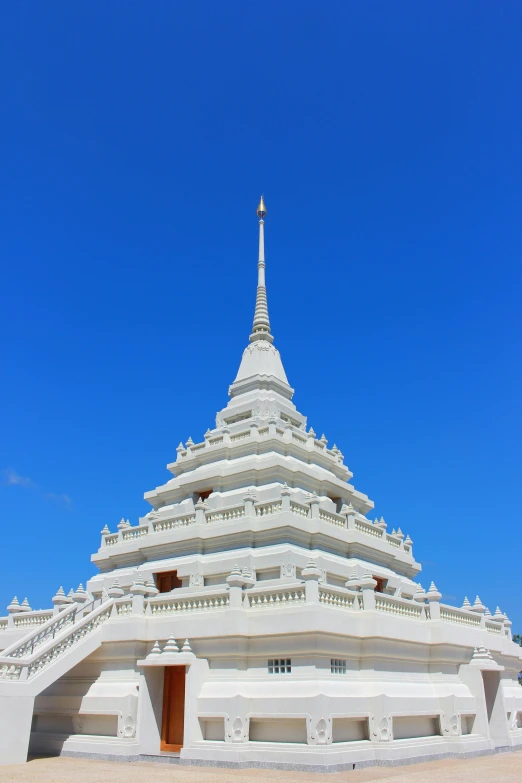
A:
236, 580
313, 502
285, 498
200, 508
433, 597
311, 575
368, 584
349, 512
249, 500
138, 591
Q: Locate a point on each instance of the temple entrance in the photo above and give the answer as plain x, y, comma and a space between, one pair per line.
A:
173, 718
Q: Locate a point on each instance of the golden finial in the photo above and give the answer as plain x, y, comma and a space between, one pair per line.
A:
261, 209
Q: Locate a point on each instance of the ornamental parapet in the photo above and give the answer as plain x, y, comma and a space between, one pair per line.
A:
74, 622
314, 508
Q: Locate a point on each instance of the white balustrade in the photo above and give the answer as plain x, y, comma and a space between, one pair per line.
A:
368, 529
299, 509
274, 598
42, 648
240, 436
336, 597
451, 614
493, 627
225, 514
170, 524
111, 539
190, 603
28, 619
124, 608
269, 508
135, 532
333, 519
197, 446
45, 633
391, 605
3, 623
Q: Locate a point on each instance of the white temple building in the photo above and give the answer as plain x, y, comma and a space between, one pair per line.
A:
257, 615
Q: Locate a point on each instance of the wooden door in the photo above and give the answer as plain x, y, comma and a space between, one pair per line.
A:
167, 581
173, 719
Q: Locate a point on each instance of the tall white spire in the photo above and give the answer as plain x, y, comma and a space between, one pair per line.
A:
261, 326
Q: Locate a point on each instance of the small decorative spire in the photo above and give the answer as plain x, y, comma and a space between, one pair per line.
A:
261, 325
311, 432
466, 604
186, 647
478, 606
190, 442
14, 606
115, 590
151, 587
156, 649
25, 606
171, 646
323, 439
105, 530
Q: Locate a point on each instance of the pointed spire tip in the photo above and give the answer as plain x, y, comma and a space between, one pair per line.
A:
261, 209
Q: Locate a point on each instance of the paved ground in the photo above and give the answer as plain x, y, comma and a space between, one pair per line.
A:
501, 768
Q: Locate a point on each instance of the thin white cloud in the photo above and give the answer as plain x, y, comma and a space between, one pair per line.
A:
10, 478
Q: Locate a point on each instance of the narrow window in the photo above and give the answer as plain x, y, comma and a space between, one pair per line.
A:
338, 665
279, 666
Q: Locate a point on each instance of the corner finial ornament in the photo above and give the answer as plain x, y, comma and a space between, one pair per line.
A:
261, 209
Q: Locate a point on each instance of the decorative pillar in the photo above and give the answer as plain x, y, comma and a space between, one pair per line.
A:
310, 440
285, 497
121, 527
313, 501
433, 598
479, 608
249, 500
13, 608
200, 508
382, 524
138, 591
236, 581
59, 600
311, 575
368, 584
226, 435
349, 513
103, 533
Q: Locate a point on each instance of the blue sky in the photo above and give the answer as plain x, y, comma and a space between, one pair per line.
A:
136, 140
